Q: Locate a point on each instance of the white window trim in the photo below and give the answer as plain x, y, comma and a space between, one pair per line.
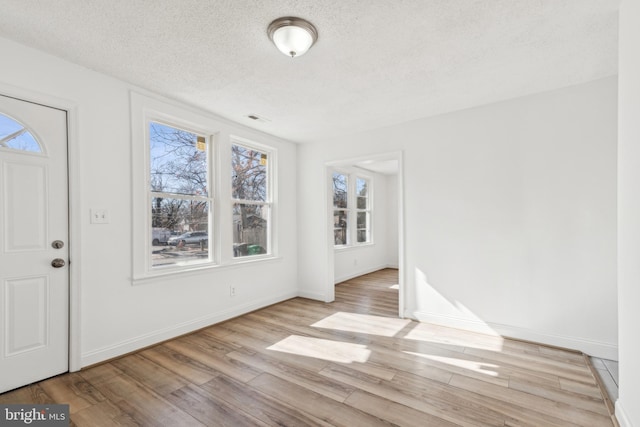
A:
352, 209
272, 162
210, 198
143, 110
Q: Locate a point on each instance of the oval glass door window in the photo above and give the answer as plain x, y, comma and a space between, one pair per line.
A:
15, 136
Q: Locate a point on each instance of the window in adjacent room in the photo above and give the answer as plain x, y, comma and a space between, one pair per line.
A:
363, 211
351, 209
340, 209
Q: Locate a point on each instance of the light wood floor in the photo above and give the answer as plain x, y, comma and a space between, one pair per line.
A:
349, 363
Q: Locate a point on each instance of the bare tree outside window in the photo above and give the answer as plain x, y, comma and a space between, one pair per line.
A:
180, 200
363, 211
251, 204
340, 205
351, 209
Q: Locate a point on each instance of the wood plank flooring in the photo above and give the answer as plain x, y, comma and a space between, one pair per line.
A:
348, 363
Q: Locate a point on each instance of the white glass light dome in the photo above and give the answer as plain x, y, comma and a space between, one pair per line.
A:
292, 36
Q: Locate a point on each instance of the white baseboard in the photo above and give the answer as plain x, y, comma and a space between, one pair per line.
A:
621, 415
359, 273
317, 296
136, 343
590, 347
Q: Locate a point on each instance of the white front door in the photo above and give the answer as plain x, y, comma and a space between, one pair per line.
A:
34, 244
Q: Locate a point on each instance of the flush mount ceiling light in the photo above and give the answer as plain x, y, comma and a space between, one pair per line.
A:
292, 36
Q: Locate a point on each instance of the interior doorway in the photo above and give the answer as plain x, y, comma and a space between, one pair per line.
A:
349, 253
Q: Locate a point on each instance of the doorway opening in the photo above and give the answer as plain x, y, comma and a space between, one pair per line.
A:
364, 215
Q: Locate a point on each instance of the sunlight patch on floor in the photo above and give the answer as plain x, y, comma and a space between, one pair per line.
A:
481, 368
432, 333
333, 351
396, 287
363, 323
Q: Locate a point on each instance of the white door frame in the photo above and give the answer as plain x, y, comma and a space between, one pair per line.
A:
328, 223
73, 166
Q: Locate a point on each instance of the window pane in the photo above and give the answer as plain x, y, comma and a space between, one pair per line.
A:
250, 225
179, 214
179, 231
248, 174
361, 187
178, 161
13, 135
362, 220
362, 193
339, 190
340, 227
362, 202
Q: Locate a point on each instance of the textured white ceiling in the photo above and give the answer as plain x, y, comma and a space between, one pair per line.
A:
385, 167
376, 62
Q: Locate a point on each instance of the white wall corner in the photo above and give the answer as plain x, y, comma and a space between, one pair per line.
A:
592, 348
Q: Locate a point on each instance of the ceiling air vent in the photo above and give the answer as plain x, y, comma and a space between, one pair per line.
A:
257, 118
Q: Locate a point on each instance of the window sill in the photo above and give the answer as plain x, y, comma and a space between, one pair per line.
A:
189, 271
250, 259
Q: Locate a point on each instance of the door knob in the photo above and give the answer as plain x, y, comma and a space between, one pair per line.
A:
58, 262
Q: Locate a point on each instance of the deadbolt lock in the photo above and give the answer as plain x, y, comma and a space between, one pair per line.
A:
57, 244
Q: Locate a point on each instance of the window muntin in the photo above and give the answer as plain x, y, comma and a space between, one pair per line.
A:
251, 200
351, 209
15, 136
180, 201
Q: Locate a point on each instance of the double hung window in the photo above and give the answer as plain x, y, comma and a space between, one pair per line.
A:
351, 209
181, 223
251, 200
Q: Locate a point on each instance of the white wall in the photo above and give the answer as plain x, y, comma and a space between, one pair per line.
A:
115, 316
392, 220
510, 216
357, 260
627, 409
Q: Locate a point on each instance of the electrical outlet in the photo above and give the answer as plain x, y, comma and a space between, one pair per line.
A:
99, 216
232, 291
